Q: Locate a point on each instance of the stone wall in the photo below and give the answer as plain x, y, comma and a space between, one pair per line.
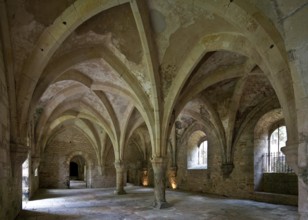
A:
9, 202
54, 168
240, 183
281, 183
206, 180
211, 180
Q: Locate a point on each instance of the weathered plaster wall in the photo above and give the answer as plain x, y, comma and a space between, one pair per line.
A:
54, 168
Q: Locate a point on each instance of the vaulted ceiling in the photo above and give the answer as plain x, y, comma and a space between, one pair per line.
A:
130, 69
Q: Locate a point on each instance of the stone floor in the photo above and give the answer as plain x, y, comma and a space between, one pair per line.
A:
77, 184
136, 204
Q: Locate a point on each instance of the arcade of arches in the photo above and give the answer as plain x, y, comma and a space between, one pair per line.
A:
125, 89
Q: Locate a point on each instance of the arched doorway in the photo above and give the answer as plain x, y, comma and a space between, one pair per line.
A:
77, 172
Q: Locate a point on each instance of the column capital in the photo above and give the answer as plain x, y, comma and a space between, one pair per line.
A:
159, 160
227, 169
119, 164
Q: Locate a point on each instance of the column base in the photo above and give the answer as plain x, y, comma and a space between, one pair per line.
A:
161, 205
120, 192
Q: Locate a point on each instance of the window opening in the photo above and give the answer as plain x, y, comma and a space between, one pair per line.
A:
197, 156
202, 154
274, 161
25, 181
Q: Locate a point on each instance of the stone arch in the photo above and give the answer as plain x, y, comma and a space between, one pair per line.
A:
197, 126
265, 123
72, 75
269, 46
80, 125
204, 45
261, 139
51, 39
74, 57
44, 131
60, 68
208, 128
89, 165
89, 113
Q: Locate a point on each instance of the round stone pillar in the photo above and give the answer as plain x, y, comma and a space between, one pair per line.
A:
296, 158
302, 197
120, 171
159, 167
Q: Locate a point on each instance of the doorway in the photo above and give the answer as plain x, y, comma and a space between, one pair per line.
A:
25, 181
77, 173
73, 171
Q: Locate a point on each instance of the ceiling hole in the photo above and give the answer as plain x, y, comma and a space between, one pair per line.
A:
64, 22
271, 46
42, 49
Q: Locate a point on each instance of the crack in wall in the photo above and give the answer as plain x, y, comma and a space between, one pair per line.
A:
293, 12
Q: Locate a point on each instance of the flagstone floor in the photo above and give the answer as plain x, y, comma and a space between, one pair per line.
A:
102, 204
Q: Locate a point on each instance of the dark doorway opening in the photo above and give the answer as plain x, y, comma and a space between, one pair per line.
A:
73, 171
78, 173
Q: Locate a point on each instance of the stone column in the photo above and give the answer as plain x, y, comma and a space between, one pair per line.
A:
120, 171
159, 167
303, 180
302, 196
296, 159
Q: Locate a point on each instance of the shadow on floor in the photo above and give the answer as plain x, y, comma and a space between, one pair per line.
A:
99, 203
30, 214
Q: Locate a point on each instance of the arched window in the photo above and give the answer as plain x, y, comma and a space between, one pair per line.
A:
274, 160
202, 154
271, 172
197, 151
278, 139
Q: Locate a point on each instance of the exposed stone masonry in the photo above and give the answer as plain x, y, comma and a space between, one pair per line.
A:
54, 168
132, 87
